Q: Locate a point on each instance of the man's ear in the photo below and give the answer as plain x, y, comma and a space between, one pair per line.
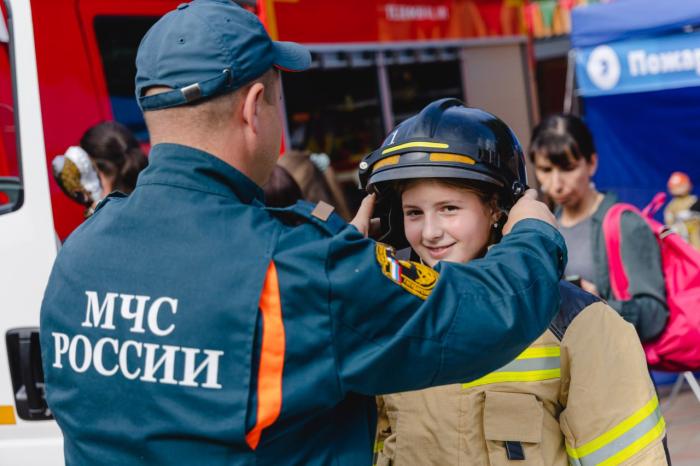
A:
252, 105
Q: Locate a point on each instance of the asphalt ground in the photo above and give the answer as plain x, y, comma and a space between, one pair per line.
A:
683, 426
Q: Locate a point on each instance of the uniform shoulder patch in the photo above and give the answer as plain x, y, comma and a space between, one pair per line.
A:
417, 279
321, 215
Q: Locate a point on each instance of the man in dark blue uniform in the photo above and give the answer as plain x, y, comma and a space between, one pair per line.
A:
188, 324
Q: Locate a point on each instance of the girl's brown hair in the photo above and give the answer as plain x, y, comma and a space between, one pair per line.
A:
116, 154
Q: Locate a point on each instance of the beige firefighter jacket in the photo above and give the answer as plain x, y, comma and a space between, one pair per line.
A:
582, 398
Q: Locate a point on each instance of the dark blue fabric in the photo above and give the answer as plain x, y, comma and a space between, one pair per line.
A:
573, 301
625, 19
642, 138
195, 230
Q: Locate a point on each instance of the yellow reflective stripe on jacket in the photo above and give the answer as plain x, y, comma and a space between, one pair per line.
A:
378, 446
623, 441
540, 352
533, 365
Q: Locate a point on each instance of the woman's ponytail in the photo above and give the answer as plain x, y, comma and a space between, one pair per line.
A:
116, 153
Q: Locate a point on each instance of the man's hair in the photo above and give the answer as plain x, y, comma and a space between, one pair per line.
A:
268, 79
210, 113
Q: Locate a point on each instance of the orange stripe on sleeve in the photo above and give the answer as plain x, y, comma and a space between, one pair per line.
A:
271, 358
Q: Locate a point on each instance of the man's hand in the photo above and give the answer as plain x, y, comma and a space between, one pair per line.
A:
528, 207
363, 217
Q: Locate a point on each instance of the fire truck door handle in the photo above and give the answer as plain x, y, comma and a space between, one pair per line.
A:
27, 361
26, 373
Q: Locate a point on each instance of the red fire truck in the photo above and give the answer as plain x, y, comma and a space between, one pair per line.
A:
68, 64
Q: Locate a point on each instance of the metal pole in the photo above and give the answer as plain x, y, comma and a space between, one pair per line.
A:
463, 73
384, 93
570, 82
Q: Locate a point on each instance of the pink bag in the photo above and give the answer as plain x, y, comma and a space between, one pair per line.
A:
678, 346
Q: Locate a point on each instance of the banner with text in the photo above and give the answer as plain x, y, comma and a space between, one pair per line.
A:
666, 62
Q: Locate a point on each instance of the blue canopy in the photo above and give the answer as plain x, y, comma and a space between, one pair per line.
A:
638, 69
625, 19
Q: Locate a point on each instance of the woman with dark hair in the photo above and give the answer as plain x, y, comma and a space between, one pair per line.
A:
108, 159
116, 154
565, 159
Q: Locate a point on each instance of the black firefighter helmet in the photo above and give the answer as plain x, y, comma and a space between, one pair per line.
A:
445, 140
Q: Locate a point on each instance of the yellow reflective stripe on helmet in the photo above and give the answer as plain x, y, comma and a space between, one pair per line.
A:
622, 441
408, 145
393, 160
532, 365
443, 157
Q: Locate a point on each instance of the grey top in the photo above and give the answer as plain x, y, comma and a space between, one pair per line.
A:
647, 309
578, 242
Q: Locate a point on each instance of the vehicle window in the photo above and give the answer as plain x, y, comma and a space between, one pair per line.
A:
342, 114
416, 85
10, 181
118, 39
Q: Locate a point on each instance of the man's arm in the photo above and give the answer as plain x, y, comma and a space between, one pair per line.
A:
399, 326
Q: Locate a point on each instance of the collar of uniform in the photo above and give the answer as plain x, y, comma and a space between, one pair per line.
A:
178, 165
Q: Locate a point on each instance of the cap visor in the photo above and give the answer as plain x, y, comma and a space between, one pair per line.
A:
290, 56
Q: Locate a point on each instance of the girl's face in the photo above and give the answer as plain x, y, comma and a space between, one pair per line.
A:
445, 223
567, 186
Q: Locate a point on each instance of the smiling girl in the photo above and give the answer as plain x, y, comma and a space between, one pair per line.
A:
580, 394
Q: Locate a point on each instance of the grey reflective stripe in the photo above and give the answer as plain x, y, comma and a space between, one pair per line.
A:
532, 364
621, 442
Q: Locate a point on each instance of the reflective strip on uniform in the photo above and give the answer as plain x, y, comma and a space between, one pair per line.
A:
271, 358
623, 441
533, 365
378, 446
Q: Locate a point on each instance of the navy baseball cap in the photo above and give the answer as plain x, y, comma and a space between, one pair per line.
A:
205, 48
